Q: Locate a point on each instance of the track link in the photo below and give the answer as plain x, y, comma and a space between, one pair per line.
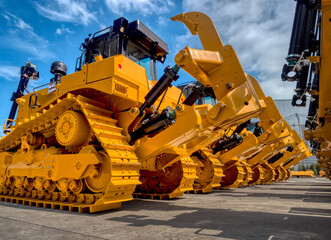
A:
248, 174
183, 183
210, 174
234, 175
258, 175
269, 175
124, 170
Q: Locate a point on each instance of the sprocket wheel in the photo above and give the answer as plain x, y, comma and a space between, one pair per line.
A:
72, 130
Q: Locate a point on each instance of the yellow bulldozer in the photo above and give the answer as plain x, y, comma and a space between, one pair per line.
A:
90, 140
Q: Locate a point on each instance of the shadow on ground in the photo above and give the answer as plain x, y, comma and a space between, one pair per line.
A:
306, 197
235, 224
207, 221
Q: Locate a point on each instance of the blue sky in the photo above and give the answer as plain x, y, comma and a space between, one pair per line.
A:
47, 31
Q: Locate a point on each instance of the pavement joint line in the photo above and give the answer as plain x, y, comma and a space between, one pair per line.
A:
309, 215
59, 229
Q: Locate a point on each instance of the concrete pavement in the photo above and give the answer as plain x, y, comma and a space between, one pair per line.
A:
296, 209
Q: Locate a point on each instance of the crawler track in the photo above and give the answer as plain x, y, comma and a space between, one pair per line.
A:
120, 165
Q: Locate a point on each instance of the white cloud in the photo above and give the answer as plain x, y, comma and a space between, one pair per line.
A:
21, 36
102, 26
66, 11
162, 21
278, 89
101, 12
144, 7
181, 41
259, 31
16, 21
9, 73
63, 30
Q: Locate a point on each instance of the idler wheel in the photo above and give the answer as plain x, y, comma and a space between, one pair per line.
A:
99, 180
171, 176
72, 129
231, 174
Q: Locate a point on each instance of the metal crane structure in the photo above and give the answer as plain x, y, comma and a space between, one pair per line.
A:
308, 64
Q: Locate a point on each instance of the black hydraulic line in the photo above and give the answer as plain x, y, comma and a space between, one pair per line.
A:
298, 29
303, 30
19, 93
227, 143
303, 44
288, 162
315, 145
157, 122
164, 94
170, 75
313, 106
307, 30
242, 126
154, 124
311, 121
257, 130
197, 92
275, 158
289, 148
27, 72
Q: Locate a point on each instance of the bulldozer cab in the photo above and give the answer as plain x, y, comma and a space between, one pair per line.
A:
133, 40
